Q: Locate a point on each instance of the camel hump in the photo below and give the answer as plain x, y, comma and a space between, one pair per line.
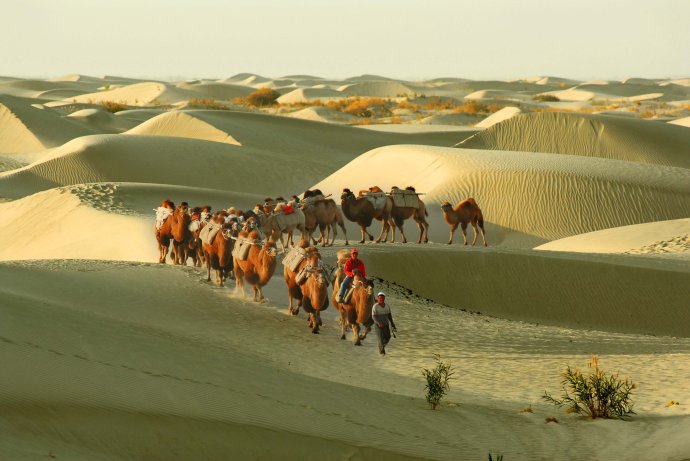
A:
471, 201
375, 189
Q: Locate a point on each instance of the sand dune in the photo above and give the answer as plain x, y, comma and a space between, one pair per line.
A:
377, 89
216, 90
588, 135
497, 117
499, 95
309, 94
64, 223
103, 120
685, 121
140, 94
657, 238
323, 114
580, 194
260, 166
183, 125
25, 128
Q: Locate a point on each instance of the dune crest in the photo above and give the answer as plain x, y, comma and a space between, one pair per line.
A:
183, 125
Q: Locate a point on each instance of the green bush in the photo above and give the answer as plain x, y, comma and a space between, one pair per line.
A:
598, 395
437, 381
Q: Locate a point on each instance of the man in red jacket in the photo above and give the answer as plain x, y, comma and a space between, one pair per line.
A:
352, 266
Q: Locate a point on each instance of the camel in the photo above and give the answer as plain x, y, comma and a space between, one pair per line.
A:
464, 212
179, 228
275, 226
324, 213
294, 290
361, 211
259, 266
314, 291
218, 255
358, 310
164, 234
400, 214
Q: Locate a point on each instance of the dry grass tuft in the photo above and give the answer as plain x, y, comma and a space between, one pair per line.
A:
206, 103
112, 106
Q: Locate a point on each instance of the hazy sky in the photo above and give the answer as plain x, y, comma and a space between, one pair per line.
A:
585, 39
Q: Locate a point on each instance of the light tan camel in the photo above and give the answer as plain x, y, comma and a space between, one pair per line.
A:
218, 255
164, 234
274, 226
324, 213
361, 211
400, 214
259, 266
464, 212
358, 310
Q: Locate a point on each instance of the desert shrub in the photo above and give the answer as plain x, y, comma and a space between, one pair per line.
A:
545, 98
365, 107
112, 106
598, 395
206, 103
437, 381
260, 98
472, 107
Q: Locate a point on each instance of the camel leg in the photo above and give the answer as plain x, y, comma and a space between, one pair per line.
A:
260, 291
220, 278
421, 232
239, 281
476, 233
315, 321
452, 231
463, 227
385, 226
402, 232
366, 331
342, 226
481, 226
365, 232
355, 333
343, 324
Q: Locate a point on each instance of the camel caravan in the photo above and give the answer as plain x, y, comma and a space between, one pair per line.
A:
244, 245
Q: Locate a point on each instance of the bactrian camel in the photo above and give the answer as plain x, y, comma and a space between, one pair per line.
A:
400, 214
259, 266
464, 212
362, 211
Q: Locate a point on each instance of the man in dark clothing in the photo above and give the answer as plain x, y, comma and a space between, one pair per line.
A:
351, 266
383, 319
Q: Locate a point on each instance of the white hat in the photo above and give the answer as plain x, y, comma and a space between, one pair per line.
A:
381, 293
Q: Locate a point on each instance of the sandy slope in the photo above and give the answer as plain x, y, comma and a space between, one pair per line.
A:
259, 166
588, 135
103, 366
182, 125
658, 238
578, 194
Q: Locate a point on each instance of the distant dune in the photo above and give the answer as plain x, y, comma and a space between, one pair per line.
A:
588, 135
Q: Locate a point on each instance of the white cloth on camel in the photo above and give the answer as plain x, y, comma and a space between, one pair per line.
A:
162, 213
209, 232
194, 225
378, 199
403, 198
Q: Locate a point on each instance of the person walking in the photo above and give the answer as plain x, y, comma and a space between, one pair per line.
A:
383, 319
352, 266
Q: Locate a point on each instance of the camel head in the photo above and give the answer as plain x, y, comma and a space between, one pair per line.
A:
410, 188
270, 248
206, 208
446, 207
167, 203
347, 195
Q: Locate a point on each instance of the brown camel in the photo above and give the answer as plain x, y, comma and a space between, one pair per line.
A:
218, 255
259, 266
314, 291
324, 213
358, 310
294, 290
164, 234
400, 214
274, 226
180, 232
464, 212
361, 211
